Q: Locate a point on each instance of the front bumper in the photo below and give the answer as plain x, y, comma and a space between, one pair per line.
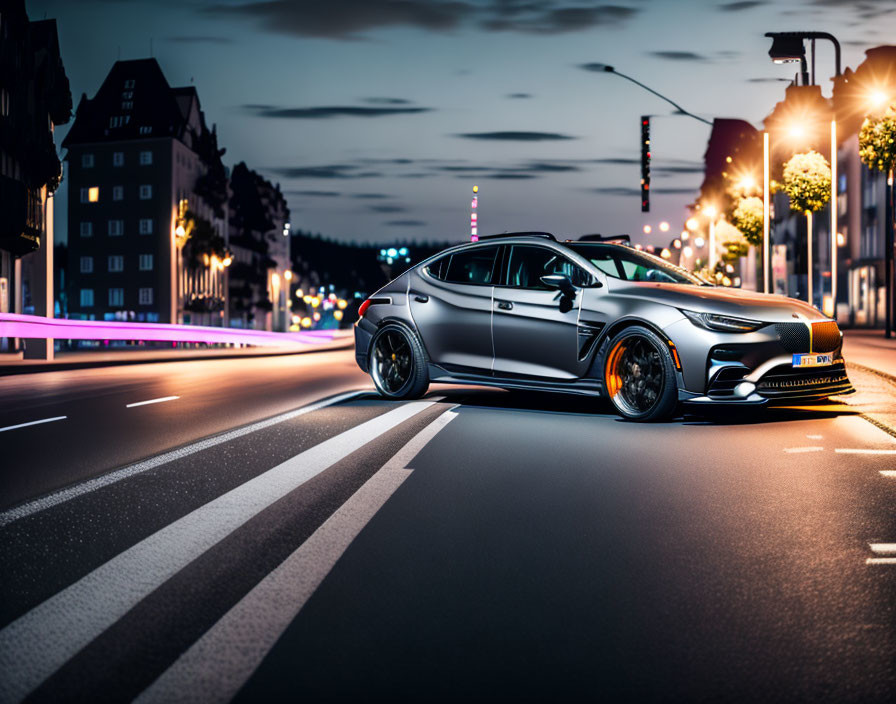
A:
776, 381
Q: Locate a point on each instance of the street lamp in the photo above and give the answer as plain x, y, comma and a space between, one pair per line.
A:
789, 46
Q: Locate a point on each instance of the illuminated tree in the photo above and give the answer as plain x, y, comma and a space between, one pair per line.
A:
747, 218
877, 141
807, 182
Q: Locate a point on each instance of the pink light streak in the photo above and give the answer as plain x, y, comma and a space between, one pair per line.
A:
33, 326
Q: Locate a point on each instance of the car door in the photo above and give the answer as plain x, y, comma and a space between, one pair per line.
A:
535, 332
451, 304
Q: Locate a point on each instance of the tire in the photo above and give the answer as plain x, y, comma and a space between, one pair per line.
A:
398, 363
635, 395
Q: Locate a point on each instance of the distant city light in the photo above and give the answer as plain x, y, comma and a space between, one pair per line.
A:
337, 314
93, 194
647, 229
676, 244
699, 242
685, 235
287, 275
710, 211
392, 252
841, 239
692, 224
687, 251
316, 316
403, 251
664, 226
665, 254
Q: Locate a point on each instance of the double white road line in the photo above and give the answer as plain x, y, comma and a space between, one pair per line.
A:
41, 641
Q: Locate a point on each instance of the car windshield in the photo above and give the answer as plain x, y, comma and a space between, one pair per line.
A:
633, 265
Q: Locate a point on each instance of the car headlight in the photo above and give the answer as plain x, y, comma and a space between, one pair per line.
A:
722, 323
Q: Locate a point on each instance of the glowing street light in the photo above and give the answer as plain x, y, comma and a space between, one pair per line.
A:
647, 229
692, 224
665, 254
664, 226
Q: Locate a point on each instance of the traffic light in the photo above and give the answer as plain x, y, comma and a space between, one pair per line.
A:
645, 163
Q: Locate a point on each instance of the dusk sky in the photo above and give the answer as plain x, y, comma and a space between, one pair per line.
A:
378, 116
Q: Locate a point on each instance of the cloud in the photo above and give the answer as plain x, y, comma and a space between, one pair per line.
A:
350, 19
519, 96
405, 223
516, 136
508, 175
326, 112
768, 80
677, 55
199, 40
740, 6
548, 18
387, 208
346, 19
387, 101
315, 194
370, 196
330, 171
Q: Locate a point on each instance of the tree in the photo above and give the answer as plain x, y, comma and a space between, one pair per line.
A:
807, 182
747, 218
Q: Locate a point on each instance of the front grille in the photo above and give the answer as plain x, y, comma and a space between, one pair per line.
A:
787, 382
825, 336
794, 337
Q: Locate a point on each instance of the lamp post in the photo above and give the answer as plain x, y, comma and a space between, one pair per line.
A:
787, 47
766, 213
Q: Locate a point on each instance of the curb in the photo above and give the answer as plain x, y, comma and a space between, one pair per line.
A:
14, 369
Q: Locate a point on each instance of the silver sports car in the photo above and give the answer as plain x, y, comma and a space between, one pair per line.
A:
593, 317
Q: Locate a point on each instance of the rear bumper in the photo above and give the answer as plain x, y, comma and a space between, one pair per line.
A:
363, 336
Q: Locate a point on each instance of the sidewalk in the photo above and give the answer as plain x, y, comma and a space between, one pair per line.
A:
871, 349
343, 339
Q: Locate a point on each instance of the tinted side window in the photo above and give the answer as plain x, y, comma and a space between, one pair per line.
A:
439, 267
474, 266
528, 264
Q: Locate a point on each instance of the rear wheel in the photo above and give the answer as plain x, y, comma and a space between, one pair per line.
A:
398, 363
639, 375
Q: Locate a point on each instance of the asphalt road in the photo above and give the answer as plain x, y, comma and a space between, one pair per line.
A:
476, 544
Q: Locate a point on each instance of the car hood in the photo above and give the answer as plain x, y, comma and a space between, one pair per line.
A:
719, 299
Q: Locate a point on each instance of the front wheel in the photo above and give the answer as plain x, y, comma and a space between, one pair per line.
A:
398, 363
639, 375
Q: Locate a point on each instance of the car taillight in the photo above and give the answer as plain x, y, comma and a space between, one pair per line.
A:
363, 309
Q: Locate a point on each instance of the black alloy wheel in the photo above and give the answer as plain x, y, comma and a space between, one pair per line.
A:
640, 375
398, 364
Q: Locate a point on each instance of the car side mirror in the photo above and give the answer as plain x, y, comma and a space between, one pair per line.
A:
561, 283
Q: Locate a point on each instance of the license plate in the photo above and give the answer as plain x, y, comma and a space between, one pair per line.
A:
812, 360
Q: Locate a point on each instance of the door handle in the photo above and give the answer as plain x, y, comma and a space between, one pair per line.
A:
505, 305
421, 298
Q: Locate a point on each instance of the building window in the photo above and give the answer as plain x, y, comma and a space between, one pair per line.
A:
127, 95
145, 262
145, 158
119, 120
129, 84
118, 159
116, 297
115, 228
146, 129
4, 102
127, 104
116, 262
145, 297
86, 229
86, 265
86, 297
90, 195
86, 161
145, 191
145, 226
117, 192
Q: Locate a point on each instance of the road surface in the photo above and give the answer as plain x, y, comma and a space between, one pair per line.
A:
251, 541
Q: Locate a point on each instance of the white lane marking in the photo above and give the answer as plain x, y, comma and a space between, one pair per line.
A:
63, 495
218, 664
163, 399
33, 422
881, 561
889, 473
39, 642
863, 451
883, 548
811, 448
815, 437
